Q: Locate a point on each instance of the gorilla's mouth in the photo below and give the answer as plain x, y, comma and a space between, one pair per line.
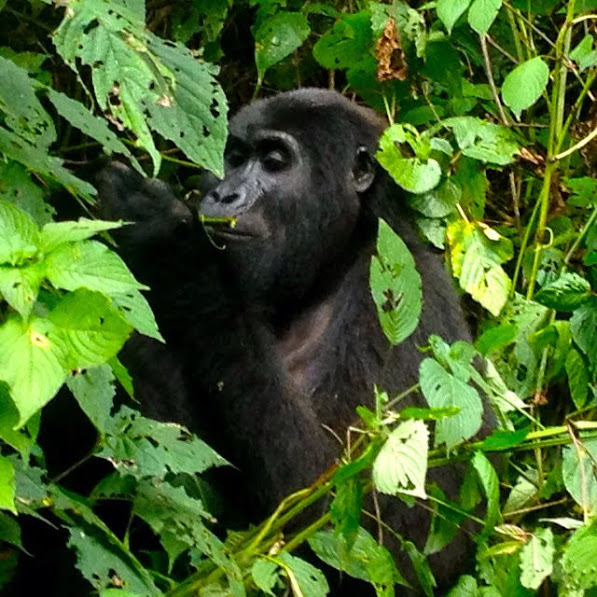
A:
231, 228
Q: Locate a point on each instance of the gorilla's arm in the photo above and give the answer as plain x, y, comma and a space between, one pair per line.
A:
224, 353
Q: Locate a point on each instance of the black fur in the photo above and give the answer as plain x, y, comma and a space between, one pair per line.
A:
273, 336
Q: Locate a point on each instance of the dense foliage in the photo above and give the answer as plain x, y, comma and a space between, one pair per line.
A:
492, 129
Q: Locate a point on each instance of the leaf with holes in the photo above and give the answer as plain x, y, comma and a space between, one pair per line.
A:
136, 310
395, 286
76, 114
146, 83
401, 465
17, 187
476, 254
442, 390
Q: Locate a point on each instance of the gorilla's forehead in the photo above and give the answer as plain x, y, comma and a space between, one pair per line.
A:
315, 114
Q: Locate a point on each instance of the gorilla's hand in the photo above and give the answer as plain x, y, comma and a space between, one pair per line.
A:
125, 194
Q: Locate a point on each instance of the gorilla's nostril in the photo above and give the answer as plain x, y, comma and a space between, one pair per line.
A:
229, 198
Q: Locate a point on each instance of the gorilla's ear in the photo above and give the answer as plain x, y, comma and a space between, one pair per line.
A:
363, 171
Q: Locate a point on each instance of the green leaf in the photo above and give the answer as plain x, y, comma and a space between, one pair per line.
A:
536, 559
484, 141
54, 234
482, 13
417, 175
583, 325
395, 286
136, 310
441, 390
491, 486
265, 575
145, 82
180, 522
142, 447
566, 293
401, 465
438, 203
7, 485
578, 377
91, 265
304, 578
31, 363
476, 253
584, 53
449, 11
345, 509
580, 475
196, 119
524, 85
22, 440
37, 159
77, 115
277, 37
16, 187
365, 558
578, 562
92, 330
19, 235
10, 531
100, 563
496, 338
23, 112
20, 286
94, 391
347, 43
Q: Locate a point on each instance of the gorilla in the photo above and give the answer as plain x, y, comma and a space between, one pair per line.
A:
272, 336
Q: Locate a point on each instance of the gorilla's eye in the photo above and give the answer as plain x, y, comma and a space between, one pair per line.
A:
235, 158
275, 160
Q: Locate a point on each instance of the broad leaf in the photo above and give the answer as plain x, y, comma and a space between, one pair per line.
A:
31, 363
365, 558
89, 264
482, 13
92, 330
19, 235
395, 286
54, 234
346, 43
580, 474
401, 465
442, 390
277, 37
449, 11
482, 140
536, 559
524, 85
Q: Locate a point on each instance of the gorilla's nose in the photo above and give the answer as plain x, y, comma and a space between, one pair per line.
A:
223, 202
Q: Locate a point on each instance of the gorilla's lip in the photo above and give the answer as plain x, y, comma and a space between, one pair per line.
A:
229, 233
242, 228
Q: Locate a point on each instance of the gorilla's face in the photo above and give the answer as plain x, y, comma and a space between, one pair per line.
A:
291, 197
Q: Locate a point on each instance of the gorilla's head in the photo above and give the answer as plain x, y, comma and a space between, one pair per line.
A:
299, 173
